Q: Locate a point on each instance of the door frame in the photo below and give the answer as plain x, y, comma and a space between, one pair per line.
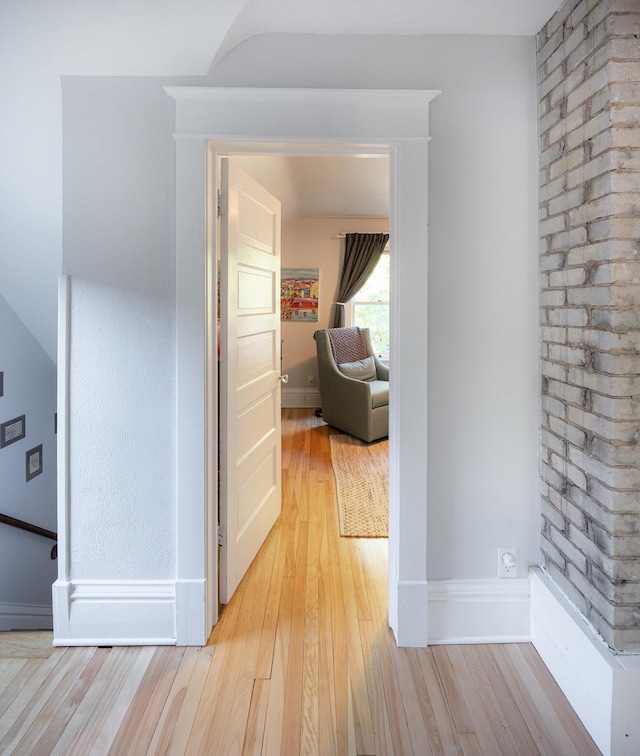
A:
211, 122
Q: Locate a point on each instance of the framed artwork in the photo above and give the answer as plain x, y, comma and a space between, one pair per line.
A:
34, 462
2, 383
12, 431
299, 294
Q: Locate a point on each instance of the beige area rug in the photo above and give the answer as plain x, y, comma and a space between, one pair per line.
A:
26, 644
362, 485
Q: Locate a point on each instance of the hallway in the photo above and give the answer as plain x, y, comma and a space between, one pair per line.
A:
302, 662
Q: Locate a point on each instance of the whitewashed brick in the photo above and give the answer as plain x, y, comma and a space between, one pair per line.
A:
567, 548
587, 89
567, 162
553, 442
590, 295
616, 320
569, 317
566, 201
611, 385
590, 211
551, 189
554, 334
553, 370
611, 341
610, 273
551, 552
568, 239
599, 165
553, 298
619, 501
552, 262
566, 393
614, 430
616, 408
588, 129
589, 125
568, 355
568, 277
571, 433
615, 364
616, 454
612, 227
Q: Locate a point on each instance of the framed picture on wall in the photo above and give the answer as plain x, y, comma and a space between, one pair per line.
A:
299, 294
12, 431
34, 462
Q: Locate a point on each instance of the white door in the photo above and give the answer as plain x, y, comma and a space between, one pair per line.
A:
250, 475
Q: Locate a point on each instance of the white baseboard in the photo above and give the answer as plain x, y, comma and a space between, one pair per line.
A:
602, 687
479, 611
118, 613
191, 627
300, 397
411, 628
25, 617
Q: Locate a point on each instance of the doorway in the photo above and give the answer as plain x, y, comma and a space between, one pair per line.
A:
321, 197
308, 122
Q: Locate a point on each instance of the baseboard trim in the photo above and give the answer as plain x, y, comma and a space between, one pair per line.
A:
478, 611
25, 617
602, 687
114, 613
412, 613
293, 398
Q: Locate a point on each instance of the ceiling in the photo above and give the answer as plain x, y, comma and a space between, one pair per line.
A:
323, 187
188, 38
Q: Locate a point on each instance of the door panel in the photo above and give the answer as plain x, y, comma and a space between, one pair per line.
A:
250, 485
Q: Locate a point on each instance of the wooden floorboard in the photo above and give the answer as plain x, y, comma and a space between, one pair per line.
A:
301, 662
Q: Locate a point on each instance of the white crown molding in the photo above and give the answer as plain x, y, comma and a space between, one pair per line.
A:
292, 95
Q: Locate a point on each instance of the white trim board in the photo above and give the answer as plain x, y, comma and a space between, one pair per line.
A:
25, 617
602, 687
121, 612
221, 122
478, 611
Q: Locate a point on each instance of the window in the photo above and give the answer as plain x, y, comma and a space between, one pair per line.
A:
370, 306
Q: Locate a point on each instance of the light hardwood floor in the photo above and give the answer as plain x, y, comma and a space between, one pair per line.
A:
302, 662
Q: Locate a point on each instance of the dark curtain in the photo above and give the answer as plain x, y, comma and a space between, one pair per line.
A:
361, 255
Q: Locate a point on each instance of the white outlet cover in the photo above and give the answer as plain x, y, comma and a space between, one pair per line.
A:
504, 571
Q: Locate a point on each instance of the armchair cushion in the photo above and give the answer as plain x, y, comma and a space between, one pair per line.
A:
379, 393
361, 370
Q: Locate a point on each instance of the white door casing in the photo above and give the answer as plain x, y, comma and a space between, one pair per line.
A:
212, 122
250, 465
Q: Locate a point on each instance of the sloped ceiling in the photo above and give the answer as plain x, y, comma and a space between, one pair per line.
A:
187, 37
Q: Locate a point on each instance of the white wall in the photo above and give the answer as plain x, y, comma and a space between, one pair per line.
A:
26, 568
31, 166
313, 243
482, 338
482, 289
119, 253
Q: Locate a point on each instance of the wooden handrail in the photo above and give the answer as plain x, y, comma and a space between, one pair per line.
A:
15, 523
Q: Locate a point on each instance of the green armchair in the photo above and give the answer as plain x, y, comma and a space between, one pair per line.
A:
354, 383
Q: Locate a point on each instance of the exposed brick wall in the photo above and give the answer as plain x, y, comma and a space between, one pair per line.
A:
589, 126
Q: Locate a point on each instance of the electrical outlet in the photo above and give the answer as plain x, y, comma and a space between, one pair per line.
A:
507, 562
311, 380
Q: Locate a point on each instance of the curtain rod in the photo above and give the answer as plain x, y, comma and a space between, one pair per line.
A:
343, 235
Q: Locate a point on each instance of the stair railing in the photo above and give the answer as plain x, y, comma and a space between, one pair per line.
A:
15, 523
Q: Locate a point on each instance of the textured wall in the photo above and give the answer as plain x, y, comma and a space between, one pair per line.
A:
29, 388
589, 123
